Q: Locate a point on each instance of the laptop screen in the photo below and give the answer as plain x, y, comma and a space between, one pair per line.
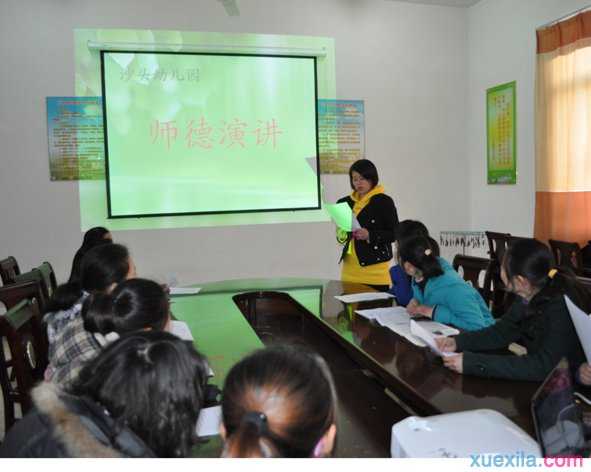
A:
557, 418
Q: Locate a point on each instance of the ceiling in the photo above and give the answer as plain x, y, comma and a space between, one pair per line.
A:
449, 3
232, 8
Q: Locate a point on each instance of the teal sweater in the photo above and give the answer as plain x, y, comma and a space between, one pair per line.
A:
456, 302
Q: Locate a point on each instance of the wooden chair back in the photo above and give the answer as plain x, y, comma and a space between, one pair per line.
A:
475, 270
567, 255
43, 274
9, 269
22, 330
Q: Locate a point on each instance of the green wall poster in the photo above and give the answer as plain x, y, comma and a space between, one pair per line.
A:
501, 134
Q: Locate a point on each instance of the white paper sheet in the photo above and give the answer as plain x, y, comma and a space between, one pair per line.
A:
394, 314
184, 290
439, 329
181, 329
364, 297
582, 322
417, 330
208, 423
404, 331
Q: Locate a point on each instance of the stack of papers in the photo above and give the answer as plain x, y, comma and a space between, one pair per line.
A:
398, 320
364, 297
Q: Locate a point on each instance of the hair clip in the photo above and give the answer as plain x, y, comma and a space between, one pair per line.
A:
552, 273
143, 355
257, 419
428, 252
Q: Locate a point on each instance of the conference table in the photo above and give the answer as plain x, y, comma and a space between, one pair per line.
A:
381, 378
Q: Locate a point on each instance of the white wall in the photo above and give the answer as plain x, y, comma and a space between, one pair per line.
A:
408, 62
502, 48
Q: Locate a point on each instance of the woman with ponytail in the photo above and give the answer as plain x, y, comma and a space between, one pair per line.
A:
92, 238
538, 320
438, 292
134, 305
279, 402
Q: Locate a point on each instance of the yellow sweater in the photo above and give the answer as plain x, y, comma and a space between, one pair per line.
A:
374, 274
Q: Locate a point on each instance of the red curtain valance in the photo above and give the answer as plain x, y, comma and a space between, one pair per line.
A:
564, 32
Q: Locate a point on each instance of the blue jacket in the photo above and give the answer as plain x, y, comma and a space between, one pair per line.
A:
456, 301
401, 287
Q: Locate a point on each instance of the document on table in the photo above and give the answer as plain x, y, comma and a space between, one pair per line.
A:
208, 423
364, 297
422, 333
384, 316
184, 290
439, 328
404, 331
181, 329
582, 322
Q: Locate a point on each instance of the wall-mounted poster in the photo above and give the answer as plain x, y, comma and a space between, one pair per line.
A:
341, 134
501, 134
75, 138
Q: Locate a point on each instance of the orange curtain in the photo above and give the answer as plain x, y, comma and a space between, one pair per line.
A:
563, 131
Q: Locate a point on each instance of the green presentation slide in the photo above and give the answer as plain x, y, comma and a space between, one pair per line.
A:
205, 133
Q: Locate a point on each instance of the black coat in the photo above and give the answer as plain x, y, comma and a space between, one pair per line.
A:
61, 425
548, 335
380, 218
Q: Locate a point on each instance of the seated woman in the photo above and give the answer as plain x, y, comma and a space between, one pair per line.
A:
538, 320
92, 238
140, 398
134, 305
102, 268
401, 286
279, 402
441, 294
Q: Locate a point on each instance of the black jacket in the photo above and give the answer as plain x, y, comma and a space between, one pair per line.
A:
380, 218
548, 335
61, 425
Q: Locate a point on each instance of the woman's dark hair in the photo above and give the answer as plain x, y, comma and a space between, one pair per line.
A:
101, 267
419, 252
133, 305
277, 402
366, 169
411, 228
151, 382
93, 237
533, 260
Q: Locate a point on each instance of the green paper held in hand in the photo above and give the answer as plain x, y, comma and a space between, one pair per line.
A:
341, 214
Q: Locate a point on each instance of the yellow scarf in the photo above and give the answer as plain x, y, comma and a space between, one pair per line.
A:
361, 202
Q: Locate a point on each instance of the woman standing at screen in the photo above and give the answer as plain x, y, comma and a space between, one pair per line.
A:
367, 250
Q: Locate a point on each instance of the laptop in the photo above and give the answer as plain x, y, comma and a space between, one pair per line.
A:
557, 418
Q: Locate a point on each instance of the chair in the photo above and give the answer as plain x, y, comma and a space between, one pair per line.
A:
569, 255
513, 239
21, 328
14, 293
497, 246
8, 270
44, 275
472, 268
585, 282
